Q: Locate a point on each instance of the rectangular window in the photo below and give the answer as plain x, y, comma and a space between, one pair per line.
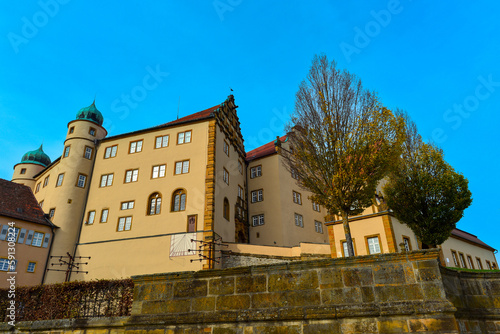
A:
72, 129
240, 167
469, 261
91, 218
182, 167
37, 239
455, 258
46, 181
299, 221
88, 152
60, 179
81, 181
37, 189
257, 220
462, 260
488, 264
131, 175
66, 152
257, 196
184, 137
52, 212
104, 215
294, 174
297, 197
124, 223
225, 176
4, 264
127, 205
318, 226
135, 146
241, 193
92, 132
110, 152
31, 267
23, 170
479, 264
226, 148
161, 141
255, 171
106, 180
159, 171
316, 207
41, 204
407, 243
373, 245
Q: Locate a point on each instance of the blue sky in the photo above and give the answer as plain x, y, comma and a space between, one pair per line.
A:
439, 61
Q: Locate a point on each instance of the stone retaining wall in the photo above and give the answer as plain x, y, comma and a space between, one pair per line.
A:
388, 293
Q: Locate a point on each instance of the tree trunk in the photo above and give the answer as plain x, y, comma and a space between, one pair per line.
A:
347, 232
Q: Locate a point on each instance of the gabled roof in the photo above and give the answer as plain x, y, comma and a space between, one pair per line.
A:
263, 151
17, 201
470, 237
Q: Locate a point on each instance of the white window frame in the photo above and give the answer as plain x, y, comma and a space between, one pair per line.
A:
258, 220
124, 224
299, 220
32, 269
135, 146
88, 152
255, 171
110, 151
181, 167
104, 216
60, 179
81, 181
226, 148
225, 176
37, 241
184, 137
161, 141
373, 245
131, 175
159, 171
316, 207
257, 195
91, 217
127, 205
66, 151
318, 226
106, 180
241, 192
297, 197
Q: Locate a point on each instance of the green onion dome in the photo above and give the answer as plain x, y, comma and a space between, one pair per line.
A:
36, 157
90, 113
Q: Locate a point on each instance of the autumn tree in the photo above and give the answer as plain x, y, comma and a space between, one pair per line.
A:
424, 191
342, 141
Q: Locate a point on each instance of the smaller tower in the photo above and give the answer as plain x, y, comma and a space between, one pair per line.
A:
32, 163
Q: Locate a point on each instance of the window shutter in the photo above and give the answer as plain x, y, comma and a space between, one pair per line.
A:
46, 240
22, 234
3, 234
29, 238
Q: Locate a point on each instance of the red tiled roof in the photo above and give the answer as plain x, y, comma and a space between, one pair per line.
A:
17, 201
262, 151
470, 237
194, 117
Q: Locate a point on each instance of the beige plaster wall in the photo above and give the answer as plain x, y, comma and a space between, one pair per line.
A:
401, 230
27, 177
24, 254
461, 246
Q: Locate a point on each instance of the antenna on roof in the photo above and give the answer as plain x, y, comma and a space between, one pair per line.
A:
178, 105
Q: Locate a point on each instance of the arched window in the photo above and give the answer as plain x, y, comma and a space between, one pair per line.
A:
179, 200
154, 204
226, 208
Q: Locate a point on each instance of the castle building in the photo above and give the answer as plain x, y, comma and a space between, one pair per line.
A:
167, 199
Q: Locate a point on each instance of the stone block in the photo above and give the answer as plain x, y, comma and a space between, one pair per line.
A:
330, 278
357, 276
227, 330
341, 296
409, 273
478, 301
233, 302
203, 304
399, 292
433, 325
359, 326
221, 286
433, 291
286, 299
248, 284
190, 288
166, 306
274, 329
289, 280
142, 292
367, 294
161, 291
429, 274
393, 326
321, 328
389, 274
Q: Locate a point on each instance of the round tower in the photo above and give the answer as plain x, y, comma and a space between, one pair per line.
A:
75, 171
32, 163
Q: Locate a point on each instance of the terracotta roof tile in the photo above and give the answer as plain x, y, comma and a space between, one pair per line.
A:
193, 117
17, 201
262, 151
470, 237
